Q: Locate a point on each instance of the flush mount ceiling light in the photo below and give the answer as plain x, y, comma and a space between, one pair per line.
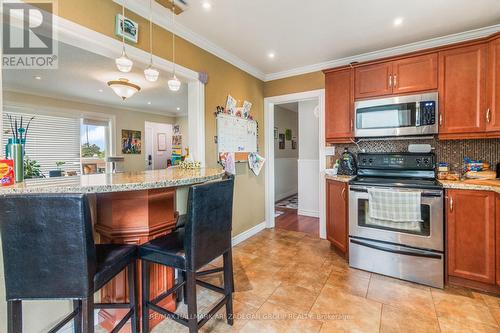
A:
207, 5
271, 55
123, 88
398, 21
123, 63
151, 73
173, 84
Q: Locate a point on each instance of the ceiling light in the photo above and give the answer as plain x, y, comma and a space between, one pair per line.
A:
398, 21
271, 55
178, 109
207, 5
123, 63
100, 90
123, 88
37, 77
151, 74
149, 103
174, 84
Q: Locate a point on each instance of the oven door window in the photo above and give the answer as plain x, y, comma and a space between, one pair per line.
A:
387, 116
414, 228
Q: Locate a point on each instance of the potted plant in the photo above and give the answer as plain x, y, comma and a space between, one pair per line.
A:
31, 169
59, 171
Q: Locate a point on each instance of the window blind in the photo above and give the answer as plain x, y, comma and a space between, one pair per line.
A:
50, 139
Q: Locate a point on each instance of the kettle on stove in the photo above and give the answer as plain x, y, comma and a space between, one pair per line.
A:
348, 165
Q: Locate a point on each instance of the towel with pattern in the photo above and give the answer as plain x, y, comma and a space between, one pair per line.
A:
394, 206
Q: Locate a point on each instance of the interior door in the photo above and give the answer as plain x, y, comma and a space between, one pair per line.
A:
415, 74
149, 142
339, 106
373, 80
493, 114
462, 87
337, 223
470, 219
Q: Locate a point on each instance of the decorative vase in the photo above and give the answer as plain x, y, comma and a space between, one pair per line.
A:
16, 153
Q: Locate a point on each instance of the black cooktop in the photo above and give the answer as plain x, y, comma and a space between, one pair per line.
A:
396, 182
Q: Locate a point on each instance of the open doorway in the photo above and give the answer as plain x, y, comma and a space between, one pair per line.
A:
295, 169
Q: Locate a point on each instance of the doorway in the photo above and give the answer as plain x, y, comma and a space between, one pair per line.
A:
158, 144
304, 210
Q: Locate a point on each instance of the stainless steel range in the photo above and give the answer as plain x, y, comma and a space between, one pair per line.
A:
406, 242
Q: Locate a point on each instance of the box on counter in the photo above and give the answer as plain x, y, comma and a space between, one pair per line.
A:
6, 172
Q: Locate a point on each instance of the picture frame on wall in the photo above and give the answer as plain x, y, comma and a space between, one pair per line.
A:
288, 134
162, 141
282, 141
294, 144
131, 142
276, 133
130, 29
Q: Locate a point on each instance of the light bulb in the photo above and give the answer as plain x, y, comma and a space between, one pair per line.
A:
174, 84
151, 74
124, 63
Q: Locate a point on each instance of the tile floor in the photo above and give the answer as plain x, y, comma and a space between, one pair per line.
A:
288, 281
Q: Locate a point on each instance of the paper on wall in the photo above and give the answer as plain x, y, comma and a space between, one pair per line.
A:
228, 162
255, 162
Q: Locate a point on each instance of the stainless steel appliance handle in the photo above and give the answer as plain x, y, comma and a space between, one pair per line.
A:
395, 249
423, 193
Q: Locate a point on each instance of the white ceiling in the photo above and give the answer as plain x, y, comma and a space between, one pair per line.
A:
80, 76
307, 33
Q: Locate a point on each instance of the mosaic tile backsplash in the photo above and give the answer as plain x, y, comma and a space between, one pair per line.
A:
451, 151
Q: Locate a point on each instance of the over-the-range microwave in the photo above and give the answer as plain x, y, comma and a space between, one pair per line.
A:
397, 116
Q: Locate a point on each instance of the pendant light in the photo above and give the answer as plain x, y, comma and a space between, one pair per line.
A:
123, 88
123, 63
151, 73
173, 84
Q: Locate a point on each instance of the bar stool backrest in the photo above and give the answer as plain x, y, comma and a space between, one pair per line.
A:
48, 246
209, 222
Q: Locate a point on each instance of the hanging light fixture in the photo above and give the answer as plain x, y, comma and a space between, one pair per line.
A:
151, 73
123, 88
123, 63
173, 84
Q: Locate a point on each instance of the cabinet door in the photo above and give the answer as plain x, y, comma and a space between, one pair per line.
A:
337, 218
373, 80
415, 74
339, 106
497, 240
471, 235
462, 88
493, 115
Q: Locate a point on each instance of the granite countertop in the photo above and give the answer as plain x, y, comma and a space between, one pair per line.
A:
118, 182
340, 178
472, 184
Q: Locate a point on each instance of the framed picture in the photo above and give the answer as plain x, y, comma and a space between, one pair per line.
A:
294, 144
288, 133
282, 141
131, 142
129, 30
177, 140
276, 133
162, 141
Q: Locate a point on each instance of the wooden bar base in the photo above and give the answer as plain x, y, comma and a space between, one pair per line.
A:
135, 218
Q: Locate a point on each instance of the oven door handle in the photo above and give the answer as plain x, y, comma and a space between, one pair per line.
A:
424, 194
408, 252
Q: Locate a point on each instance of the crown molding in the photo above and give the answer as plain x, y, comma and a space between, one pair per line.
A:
162, 18
407, 48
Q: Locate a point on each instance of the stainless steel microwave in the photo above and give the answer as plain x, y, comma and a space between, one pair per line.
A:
397, 116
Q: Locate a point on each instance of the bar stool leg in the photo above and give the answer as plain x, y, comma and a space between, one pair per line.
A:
145, 296
15, 317
133, 296
77, 324
184, 288
191, 301
88, 314
228, 285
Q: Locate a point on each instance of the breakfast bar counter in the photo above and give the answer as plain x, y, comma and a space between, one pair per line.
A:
127, 208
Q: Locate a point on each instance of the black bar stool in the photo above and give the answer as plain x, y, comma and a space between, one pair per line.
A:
49, 254
205, 236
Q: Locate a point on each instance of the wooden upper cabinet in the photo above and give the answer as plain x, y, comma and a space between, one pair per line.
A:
493, 115
415, 74
373, 80
336, 216
470, 218
462, 87
339, 106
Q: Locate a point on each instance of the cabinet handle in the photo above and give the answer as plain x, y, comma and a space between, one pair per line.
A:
343, 192
390, 81
451, 203
395, 81
440, 119
352, 125
488, 115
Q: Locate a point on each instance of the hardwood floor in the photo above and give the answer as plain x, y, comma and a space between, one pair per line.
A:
289, 220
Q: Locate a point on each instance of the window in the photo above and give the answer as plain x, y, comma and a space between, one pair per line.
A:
94, 139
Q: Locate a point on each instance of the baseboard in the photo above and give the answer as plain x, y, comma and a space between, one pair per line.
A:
305, 212
249, 233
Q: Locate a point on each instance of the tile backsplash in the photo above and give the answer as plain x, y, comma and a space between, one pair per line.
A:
451, 151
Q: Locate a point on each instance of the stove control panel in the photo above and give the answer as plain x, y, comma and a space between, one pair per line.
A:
406, 161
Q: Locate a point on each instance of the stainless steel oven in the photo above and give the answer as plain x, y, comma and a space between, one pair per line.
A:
397, 116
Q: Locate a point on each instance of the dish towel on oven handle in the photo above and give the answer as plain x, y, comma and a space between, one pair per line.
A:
394, 206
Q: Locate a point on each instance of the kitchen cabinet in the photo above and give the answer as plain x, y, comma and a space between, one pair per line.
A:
493, 112
403, 76
470, 222
337, 215
497, 228
462, 91
339, 106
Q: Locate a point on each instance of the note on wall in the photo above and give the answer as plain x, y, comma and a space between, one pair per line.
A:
236, 135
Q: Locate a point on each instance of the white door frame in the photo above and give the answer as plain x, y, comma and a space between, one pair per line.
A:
269, 103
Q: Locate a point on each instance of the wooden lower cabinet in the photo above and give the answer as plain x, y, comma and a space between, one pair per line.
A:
470, 222
337, 225
497, 226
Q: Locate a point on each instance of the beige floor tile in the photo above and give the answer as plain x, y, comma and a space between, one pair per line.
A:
413, 298
345, 312
296, 298
448, 325
491, 300
462, 309
395, 320
350, 283
242, 314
